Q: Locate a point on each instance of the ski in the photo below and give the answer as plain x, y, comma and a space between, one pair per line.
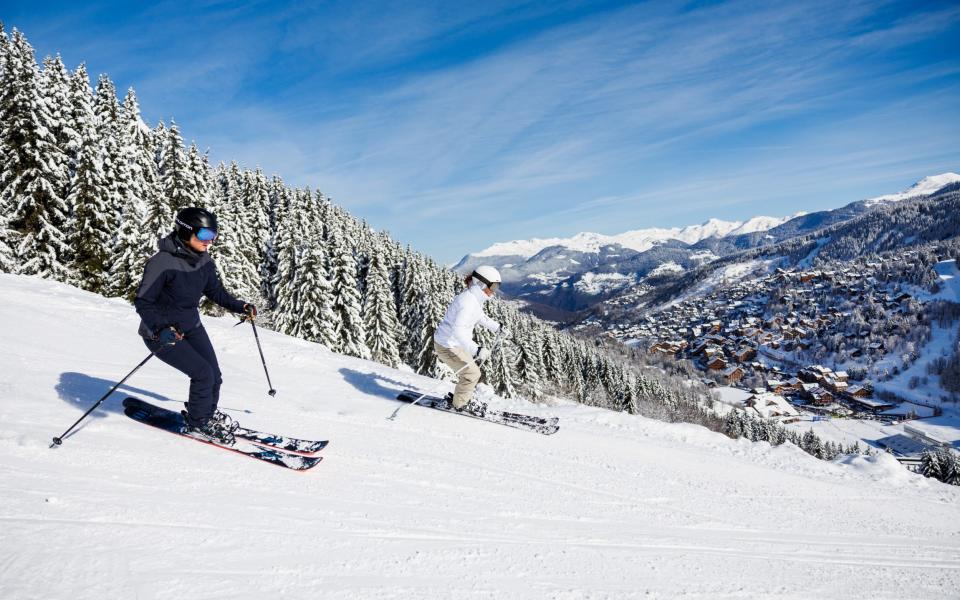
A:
282, 442
546, 426
172, 422
289, 444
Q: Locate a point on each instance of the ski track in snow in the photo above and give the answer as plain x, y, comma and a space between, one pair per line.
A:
428, 506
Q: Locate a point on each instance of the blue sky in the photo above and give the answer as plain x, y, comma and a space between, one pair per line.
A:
455, 125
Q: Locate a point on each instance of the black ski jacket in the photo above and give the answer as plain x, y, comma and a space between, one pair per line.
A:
174, 279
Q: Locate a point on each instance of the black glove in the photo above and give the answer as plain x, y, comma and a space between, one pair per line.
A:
169, 336
250, 310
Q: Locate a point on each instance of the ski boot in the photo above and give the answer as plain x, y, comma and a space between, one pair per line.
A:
211, 431
473, 407
222, 419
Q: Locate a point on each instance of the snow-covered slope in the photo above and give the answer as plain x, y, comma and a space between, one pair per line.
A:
429, 506
924, 187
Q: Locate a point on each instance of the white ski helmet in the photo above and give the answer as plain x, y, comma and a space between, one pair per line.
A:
488, 276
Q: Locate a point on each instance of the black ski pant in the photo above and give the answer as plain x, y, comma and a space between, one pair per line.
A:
194, 357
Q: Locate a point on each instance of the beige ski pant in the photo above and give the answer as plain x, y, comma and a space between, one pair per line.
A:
456, 359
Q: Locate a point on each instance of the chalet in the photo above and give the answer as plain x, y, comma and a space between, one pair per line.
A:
834, 385
841, 375
870, 405
668, 348
734, 374
770, 405
858, 391
712, 351
821, 397
699, 348
776, 386
745, 354
717, 363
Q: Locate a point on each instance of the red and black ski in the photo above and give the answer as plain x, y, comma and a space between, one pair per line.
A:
172, 422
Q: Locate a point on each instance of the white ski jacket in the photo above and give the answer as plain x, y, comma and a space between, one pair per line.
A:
463, 314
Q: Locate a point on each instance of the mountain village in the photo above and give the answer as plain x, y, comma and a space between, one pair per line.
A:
761, 342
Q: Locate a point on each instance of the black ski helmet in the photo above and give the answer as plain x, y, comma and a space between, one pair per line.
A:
190, 220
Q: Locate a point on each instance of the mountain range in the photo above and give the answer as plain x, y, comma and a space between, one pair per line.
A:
557, 276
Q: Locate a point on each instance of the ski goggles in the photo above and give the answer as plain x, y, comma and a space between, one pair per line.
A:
205, 234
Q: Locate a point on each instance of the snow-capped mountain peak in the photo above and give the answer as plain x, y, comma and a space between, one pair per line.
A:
924, 187
639, 239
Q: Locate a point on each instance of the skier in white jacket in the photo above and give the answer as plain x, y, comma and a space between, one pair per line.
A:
453, 340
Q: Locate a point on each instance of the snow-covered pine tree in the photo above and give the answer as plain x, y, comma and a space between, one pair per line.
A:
55, 83
279, 199
553, 365
132, 248
406, 303
31, 179
501, 371
423, 316
200, 177
253, 228
315, 319
379, 314
160, 212
811, 444
93, 232
288, 238
630, 404
7, 262
138, 241
529, 358
176, 180
257, 214
348, 326
237, 272
113, 163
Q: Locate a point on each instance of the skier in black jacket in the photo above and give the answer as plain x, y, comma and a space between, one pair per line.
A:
167, 301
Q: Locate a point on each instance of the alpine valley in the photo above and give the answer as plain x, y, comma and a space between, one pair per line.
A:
563, 279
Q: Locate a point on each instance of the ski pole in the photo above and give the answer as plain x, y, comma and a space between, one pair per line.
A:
59, 439
272, 391
496, 344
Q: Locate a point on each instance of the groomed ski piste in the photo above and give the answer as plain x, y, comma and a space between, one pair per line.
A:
430, 505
